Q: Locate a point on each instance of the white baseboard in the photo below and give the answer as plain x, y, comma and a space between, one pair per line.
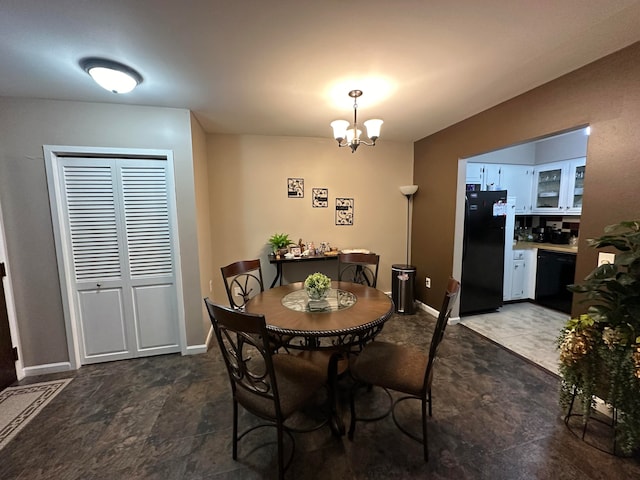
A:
47, 368
196, 349
432, 311
210, 337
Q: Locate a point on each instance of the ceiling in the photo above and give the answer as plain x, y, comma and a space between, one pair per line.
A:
284, 67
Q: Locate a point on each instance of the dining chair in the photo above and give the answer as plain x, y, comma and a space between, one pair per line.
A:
269, 385
401, 368
358, 268
242, 280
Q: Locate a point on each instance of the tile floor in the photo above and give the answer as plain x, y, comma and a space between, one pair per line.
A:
495, 417
526, 329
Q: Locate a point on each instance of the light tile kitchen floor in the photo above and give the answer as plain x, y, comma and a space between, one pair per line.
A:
524, 328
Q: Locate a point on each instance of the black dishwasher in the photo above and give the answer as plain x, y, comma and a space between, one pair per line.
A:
554, 272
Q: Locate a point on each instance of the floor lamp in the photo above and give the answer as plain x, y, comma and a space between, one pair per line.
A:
408, 191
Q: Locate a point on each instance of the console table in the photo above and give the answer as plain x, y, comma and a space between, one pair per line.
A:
278, 262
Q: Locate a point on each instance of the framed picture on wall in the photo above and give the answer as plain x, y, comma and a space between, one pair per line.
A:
320, 197
295, 187
344, 211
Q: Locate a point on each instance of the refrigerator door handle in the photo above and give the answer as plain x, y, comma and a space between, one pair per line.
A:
465, 234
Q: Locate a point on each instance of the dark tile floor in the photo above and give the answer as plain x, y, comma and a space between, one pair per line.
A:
495, 417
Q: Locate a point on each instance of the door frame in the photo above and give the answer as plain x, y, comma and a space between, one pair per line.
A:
52, 153
9, 299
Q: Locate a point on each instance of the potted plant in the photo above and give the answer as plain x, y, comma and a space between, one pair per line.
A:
278, 242
317, 285
600, 350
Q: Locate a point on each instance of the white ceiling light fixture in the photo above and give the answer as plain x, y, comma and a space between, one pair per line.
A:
349, 136
110, 75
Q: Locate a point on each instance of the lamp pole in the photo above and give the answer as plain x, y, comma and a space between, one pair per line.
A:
408, 191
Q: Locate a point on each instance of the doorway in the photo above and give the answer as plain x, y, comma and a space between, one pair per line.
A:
7, 359
115, 228
567, 150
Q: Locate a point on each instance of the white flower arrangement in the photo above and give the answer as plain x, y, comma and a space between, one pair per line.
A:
317, 285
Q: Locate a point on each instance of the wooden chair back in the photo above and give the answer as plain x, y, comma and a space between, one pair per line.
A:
359, 268
453, 288
242, 281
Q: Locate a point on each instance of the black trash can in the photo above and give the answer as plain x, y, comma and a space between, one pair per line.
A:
403, 279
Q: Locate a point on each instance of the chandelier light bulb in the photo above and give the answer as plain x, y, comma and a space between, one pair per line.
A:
349, 135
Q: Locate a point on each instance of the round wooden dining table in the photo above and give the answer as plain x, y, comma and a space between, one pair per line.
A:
351, 315
347, 319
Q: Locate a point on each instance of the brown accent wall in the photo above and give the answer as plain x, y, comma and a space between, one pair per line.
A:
604, 94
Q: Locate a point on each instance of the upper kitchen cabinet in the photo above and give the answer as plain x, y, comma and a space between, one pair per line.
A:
518, 181
557, 187
475, 175
576, 183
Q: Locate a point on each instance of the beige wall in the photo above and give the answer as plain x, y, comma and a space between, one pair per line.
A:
28, 124
201, 188
604, 94
248, 191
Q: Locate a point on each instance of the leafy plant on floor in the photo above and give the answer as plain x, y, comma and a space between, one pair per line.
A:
600, 350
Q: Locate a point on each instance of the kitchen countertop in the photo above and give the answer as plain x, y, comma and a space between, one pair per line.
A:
553, 247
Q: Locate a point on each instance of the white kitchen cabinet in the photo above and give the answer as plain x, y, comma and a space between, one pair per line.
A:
575, 186
523, 274
487, 175
558, 186
531, 266
518, 275
492, 176
518, 181
475, 174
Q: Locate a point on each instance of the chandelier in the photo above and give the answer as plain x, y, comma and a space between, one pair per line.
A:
349, 135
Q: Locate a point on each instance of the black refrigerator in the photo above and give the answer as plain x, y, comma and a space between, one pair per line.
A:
483, 251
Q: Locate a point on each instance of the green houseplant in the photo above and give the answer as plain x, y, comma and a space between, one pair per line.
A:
600, 350
279, 241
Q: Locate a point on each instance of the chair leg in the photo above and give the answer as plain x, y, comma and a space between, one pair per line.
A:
429, 400
424, 427
352, 406
280, 452
235, 430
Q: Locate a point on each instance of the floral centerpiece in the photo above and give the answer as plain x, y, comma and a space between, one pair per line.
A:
600, 350
317, 286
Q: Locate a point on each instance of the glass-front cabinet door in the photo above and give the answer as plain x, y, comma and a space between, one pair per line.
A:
547, 188
576, 185
558, 187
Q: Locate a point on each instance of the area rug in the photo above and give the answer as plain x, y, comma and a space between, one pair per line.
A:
19, 405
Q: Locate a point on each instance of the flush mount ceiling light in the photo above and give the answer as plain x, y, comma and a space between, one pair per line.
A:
110, 75
349, 136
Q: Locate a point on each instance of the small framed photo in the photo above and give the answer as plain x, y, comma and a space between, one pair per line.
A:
295, 187
320, 197
344, 211
296, 251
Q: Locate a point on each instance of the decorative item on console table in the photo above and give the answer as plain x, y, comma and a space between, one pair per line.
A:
600, 350
279, 243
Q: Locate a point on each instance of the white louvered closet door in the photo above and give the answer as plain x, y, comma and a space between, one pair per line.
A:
118, 231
